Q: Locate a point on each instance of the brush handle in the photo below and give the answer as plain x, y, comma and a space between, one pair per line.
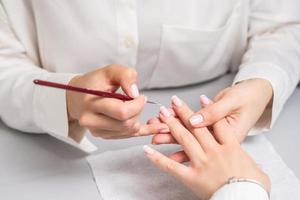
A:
83, 90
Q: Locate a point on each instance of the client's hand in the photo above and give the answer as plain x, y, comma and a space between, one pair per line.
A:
214, 156
106, 117
242, 105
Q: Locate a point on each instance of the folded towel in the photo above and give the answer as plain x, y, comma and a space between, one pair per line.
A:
128, 175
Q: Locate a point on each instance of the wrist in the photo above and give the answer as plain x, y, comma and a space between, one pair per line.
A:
248, 180
70, 99
263, 88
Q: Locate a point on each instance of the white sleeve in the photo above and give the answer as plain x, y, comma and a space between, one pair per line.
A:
240, 191
24, 106
273, 52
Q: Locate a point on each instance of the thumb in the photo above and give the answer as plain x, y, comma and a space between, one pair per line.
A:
211, 113
124, 77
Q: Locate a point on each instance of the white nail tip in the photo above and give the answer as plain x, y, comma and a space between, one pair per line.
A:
195, 120
176, 101
135, 90
148, 150
164, 111
204, 99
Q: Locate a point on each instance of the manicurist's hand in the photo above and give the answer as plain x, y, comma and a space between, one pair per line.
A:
107, 117
214, 156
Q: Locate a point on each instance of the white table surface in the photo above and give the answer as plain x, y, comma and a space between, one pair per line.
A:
41, 167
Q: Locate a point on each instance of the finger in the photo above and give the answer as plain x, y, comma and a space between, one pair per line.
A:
154, 120
180, 157
109, 135
205, 101
224, 133
125, 77
172, 112
174, 168
96, 121
182, 136
118, 109
212, 113
163, 139
150, 129
184, 113
222, 127
221, 94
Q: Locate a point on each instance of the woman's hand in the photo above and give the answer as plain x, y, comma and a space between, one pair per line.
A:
107, 117
214, 156
241, 105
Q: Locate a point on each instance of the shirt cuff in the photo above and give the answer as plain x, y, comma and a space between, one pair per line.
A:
51, 111
281, 91
240, 190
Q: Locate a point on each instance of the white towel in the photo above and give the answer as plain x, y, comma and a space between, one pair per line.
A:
128, 175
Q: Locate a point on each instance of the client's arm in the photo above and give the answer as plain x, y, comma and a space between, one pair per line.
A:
218, 168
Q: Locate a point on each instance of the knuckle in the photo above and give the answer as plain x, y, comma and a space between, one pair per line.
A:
115, 66
184, 139
86, 100
128, 124
208, 115
156, 160
136, 127
204, 161
169, 166
84, 120
123, 113
130, 72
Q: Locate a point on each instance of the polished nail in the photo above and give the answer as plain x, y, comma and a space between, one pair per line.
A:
164, 111
134, 90
195, 120
148, 150
205, 100
176, 101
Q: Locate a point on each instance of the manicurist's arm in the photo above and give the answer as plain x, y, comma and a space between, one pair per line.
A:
66, 115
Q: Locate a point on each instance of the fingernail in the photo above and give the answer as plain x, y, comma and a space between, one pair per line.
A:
195, 120
146, 99
135, 90
176, 101
164, 111
204, 99
148, 150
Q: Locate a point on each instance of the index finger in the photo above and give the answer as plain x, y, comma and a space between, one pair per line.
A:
117, 109
185, 138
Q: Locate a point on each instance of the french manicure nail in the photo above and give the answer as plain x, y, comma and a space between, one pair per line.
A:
195, 120
176, 101
134, 90
204, 99
148, 150
164, 111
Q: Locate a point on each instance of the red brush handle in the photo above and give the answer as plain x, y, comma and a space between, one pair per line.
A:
83, 90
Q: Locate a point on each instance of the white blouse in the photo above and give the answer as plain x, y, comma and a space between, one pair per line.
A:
169, 43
